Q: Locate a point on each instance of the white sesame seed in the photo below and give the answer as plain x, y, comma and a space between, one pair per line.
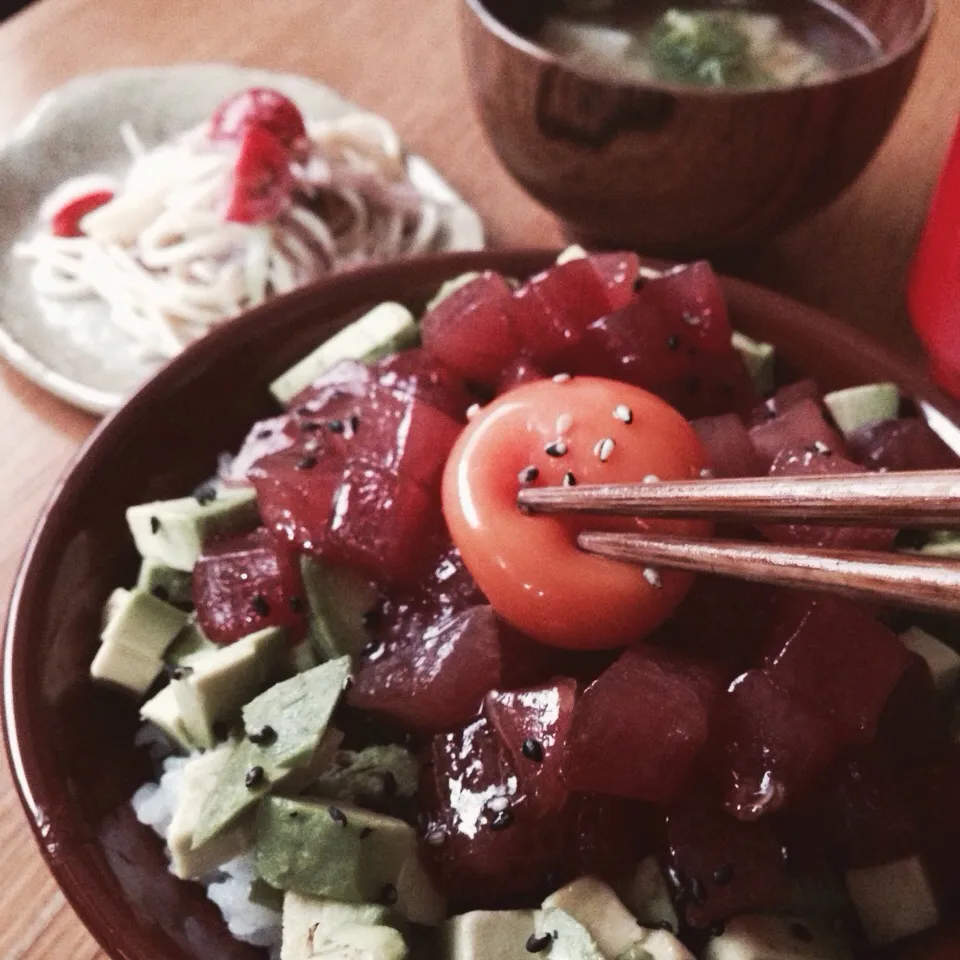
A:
498, 804
821, 447
651, 478
693, 319
706, 474
564, 422
652, 576
604, 449
623, 413
473, 410
561, 378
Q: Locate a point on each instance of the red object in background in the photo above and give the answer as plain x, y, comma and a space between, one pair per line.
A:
933, 293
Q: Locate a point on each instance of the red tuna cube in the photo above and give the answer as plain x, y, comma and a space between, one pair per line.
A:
721, 866
245, 584
473, 330
771, 746
820, 461
435, 680
479, 839
838, 657
907, 444
553, 309
785, 398
532, 724
416, 373
728, 446
638, 729
801, 425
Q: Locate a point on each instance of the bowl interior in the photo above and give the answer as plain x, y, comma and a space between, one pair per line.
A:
71, 744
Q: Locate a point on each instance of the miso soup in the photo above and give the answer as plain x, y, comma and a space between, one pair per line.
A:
733, 43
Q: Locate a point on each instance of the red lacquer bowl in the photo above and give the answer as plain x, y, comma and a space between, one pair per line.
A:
70, 743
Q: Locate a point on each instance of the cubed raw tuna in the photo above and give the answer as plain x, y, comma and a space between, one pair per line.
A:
721, 866
437, 680
838, 657
247, 583
771, 747
800, 425
553, 309
473, 330
480, 840
820, 461
532, 724
728, 446
517, 372
638, 730
417, 373
907, 444
619, 272
785, 398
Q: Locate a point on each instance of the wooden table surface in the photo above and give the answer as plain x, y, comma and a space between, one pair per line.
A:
401, 59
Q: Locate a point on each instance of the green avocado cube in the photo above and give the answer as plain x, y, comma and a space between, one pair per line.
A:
306, 917
174, 531
484, 934
323, 850
359, 940
759, 358
856, 407
338, 600
165, 583
163, 711
363, 777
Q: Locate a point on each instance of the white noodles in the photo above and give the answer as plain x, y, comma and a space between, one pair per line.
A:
168, 266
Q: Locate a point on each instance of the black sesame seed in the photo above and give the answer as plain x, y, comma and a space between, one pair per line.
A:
354, 422
723, 875
365, 832
390, 786
537, 944
528, 474
673, 341
532, 750
388, 894
801, 932
254, 777
260, 604
337, 816
335, 426
502, 819
296, 604
557, 448
307, 463
638, 284
161, 593
263, 737
263, 435
177, 671
311, 426
154, 524
698, 891
569, 480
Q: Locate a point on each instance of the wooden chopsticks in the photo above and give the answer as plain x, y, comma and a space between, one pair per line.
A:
919, 499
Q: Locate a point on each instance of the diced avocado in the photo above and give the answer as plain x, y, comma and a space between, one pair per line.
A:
759, 358
165, 583
324, 850
163, 711
174, 531
761, 937
263, 895
358, 941
189, 858
115, 602
297, 711
647, 896
452, 286
893, 900
338, 600
944, 661
485, 934
190, 644
574, 252
855, 407
597, 909
418, 899
140, 630
248, 776
569, 940
305, 916
366, 777
386, 329
218, 684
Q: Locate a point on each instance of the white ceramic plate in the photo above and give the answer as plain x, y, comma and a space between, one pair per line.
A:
75, 352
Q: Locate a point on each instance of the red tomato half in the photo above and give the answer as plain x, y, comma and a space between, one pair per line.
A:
529, 566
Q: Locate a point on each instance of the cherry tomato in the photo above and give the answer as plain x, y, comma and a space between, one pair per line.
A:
262, 179
66, 221
529, 566
259, 107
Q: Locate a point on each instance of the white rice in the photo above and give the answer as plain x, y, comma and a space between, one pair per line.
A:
229, 887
